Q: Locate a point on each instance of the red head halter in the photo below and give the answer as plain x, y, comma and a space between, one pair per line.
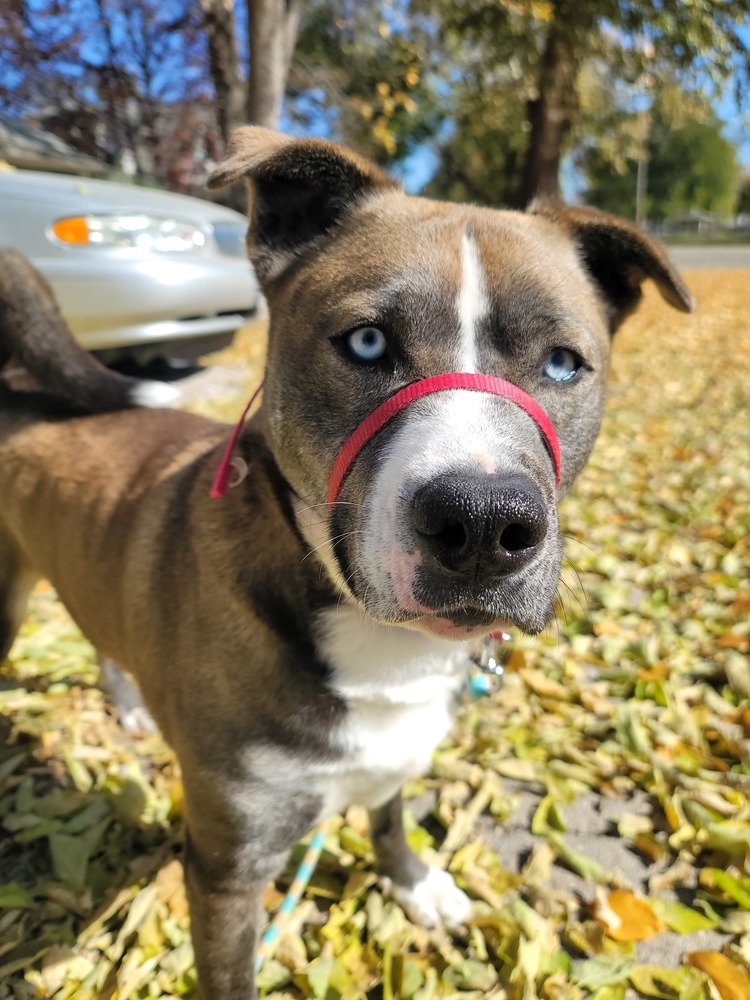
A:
393, 405
439, 383
224, 472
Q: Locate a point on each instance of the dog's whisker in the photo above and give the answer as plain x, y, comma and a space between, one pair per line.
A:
576, 540
332, 540
569, 564
333, 503
573, 594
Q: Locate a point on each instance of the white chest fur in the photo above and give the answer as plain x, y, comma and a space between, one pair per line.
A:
400, 689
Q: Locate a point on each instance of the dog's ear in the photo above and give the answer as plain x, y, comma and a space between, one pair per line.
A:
619, 257
298, 189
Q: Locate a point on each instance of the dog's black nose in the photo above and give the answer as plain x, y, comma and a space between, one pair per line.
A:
478, 525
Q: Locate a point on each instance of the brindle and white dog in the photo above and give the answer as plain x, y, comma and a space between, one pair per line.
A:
301, 655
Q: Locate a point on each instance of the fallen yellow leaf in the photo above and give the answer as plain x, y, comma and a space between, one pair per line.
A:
170, 886
732, 981
625, 916
542, 685
607, 627
177, 797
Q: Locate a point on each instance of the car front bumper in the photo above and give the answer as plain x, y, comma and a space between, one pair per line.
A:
125, 301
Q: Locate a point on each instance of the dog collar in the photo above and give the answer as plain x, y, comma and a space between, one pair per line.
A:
424, 387
376, 421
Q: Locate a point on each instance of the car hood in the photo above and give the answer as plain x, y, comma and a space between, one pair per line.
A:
80, 194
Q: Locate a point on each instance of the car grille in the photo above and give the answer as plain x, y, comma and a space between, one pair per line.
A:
230, 238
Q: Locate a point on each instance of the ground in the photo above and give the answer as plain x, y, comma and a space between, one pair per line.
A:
596, 808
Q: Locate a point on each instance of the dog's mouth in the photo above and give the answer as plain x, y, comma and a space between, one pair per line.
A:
461, 623
455, 623
525, 603
469, 617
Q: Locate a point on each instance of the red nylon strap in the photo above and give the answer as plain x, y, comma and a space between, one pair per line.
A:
224, 472
439, 383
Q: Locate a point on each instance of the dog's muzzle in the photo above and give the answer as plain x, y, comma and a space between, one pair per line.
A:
473, 381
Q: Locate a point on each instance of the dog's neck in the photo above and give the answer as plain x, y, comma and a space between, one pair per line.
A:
377, 662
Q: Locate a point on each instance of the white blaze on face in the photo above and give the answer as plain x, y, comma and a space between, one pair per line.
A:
472, 303
445, 432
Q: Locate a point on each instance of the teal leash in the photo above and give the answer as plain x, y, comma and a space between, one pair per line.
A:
294, 894
483, 677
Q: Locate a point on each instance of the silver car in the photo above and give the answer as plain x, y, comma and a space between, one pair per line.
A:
137, 272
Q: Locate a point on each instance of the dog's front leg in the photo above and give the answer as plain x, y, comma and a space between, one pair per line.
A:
429, 895
238, 839
226, 917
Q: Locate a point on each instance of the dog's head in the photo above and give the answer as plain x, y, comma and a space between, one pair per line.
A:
447, 519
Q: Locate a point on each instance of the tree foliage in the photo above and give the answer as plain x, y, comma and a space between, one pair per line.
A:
367, 76
553, 42
500, 90
689, 164
482, 154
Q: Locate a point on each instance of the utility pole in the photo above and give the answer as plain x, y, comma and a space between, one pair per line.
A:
641, 182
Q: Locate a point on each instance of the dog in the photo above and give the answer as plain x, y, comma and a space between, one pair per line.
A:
300, 637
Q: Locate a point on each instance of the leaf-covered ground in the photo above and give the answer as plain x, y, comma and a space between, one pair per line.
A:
597, 807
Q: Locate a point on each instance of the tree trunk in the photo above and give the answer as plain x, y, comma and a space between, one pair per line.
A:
218, 17
272, 34
552, 113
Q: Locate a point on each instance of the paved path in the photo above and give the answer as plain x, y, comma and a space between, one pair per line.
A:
591, 829
214, 382
713, 257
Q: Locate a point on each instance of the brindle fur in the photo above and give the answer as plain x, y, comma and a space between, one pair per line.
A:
211, 604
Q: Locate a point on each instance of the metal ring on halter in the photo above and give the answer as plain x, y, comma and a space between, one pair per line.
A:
240, 469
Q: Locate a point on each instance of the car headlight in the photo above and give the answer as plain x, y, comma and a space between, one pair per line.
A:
147, 232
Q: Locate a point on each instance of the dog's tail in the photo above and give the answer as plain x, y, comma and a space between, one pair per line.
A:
35, 337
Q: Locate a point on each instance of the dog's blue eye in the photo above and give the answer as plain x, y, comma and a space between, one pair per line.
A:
562, 365
367, 343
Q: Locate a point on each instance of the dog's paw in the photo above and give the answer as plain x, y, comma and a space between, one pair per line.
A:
137, 720
134, 717
434, 900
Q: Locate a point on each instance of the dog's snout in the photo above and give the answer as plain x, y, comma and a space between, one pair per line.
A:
478, 525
